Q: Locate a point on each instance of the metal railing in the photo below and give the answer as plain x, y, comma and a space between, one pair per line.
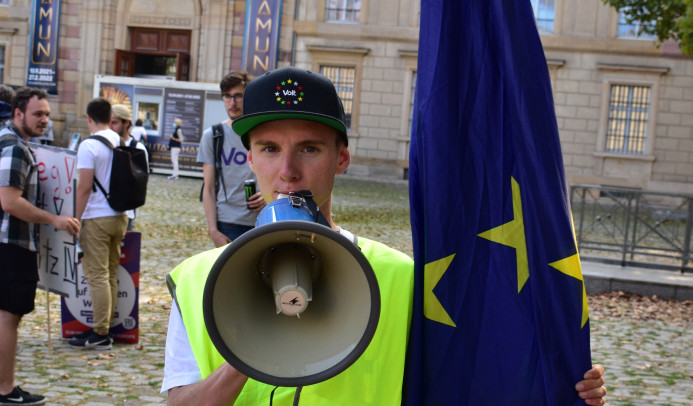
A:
633, 227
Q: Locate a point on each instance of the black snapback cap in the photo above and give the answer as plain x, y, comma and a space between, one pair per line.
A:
287, 93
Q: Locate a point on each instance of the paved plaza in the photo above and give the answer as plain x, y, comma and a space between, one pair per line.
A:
646, 346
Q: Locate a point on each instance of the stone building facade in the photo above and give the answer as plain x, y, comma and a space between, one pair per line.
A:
624, 105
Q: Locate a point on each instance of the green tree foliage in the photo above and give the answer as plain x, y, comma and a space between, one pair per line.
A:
666, 19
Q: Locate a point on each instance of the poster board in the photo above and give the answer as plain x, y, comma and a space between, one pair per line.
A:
77, 314
157, 103
56, 248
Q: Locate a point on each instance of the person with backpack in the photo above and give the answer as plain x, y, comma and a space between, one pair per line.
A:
225, 170
121, 123
103, 227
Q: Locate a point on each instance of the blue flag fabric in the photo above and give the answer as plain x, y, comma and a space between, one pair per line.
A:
500, 310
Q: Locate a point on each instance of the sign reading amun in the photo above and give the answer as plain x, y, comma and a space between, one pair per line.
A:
260, 43
43, 59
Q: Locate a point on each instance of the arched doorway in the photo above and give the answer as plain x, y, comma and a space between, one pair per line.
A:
155, 53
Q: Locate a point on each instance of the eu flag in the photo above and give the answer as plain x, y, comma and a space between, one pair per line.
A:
500, 309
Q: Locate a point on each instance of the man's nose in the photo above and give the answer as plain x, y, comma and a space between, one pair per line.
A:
289, 170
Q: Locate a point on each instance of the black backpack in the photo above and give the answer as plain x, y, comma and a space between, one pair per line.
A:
129, 176
217, 143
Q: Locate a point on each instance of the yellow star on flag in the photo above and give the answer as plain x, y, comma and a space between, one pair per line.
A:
571, 266
512, 234
433, 309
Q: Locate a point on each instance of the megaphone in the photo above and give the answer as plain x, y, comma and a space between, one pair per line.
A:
291, 302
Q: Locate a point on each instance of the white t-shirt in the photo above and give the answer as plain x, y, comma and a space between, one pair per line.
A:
93, 154
138, 132
180, 366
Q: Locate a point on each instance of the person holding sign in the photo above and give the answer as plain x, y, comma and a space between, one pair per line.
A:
19, 216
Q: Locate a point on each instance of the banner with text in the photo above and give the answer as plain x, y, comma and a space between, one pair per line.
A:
43, 59
261, 39
56, 249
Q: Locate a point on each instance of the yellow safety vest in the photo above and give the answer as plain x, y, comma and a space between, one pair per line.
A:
374, 379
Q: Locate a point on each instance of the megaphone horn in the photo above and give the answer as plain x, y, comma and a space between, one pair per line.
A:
282, 265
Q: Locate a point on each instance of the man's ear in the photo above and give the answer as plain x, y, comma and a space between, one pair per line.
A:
343, 159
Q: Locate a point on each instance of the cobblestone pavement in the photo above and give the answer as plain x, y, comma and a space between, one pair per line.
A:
649, 360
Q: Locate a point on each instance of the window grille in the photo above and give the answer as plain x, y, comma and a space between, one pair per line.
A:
343, 10
411, 101
626, 131
343, 78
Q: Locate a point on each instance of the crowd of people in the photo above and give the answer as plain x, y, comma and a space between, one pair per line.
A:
284, 148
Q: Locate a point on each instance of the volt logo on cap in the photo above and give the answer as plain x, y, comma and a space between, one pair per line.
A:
289, 92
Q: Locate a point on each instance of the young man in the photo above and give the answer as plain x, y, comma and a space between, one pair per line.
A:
121, 123
228, 215
19, 215
297, 140
102, 227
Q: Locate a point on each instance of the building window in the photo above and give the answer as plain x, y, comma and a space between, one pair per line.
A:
626, 131
4, 3
2, 64
411, 101
544, 11
343, 78
633, 30
343, 10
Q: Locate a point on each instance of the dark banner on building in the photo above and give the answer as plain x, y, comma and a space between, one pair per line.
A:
188, 105
261, 40
43, 59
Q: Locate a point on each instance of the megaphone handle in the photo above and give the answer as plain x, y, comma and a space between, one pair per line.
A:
307, 195
297, 395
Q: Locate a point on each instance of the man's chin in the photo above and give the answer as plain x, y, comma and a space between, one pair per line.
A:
33, 134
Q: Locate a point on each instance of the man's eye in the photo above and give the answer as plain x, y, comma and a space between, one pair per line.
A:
311, 149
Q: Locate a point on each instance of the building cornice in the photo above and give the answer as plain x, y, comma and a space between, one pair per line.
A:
662, 70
